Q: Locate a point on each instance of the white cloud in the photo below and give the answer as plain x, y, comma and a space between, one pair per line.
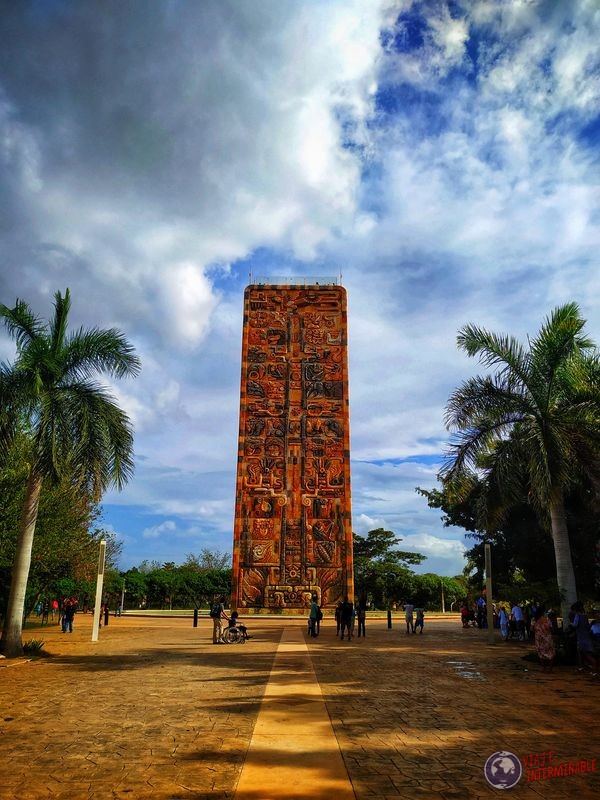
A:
151, 173
157, 531
433, 546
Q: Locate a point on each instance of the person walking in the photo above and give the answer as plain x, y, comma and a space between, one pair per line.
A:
217, 614
503, 622
338, 617
313, 617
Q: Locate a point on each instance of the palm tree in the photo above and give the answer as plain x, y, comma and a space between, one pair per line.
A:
533, 425
76, 427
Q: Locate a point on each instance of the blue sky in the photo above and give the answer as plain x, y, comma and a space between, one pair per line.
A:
442, 156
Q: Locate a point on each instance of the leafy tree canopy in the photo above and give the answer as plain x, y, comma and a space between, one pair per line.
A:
379, 545
380, 569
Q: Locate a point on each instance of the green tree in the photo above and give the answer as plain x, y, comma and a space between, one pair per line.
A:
208, 559
65, 545
78, 431
428, 590
522, 550
380, 569
533, 427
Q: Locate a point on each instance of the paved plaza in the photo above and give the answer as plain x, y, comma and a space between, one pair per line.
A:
155, 710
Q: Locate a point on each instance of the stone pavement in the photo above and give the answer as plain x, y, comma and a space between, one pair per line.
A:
154, 710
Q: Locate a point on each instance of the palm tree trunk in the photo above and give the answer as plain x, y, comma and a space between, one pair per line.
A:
11, 644
562, 551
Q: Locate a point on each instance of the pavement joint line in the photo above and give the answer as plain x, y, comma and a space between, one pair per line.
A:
294, 753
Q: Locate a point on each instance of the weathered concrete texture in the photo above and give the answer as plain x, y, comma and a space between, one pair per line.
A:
293, 529
154, 710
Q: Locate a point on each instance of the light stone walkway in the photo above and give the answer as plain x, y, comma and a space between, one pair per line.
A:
293, 728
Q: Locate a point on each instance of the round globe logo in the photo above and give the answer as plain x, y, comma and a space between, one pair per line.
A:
503, 770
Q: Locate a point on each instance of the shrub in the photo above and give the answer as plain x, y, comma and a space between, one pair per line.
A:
33, 647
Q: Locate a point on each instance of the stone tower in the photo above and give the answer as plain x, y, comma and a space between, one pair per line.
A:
293, 529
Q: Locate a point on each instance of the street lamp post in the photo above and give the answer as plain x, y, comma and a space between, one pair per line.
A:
488, 592
389, 598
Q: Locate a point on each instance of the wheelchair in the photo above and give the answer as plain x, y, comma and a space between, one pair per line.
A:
233, 636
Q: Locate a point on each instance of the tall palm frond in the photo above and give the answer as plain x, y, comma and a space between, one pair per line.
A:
21, 323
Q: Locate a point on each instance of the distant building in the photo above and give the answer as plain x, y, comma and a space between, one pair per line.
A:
293, 529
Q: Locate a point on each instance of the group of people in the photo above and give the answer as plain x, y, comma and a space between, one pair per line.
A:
514, 622
582, 636
530, 622
62, 611
47, 609
415, 618
349, 616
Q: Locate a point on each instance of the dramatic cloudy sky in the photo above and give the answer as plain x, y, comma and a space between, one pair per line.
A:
443, 156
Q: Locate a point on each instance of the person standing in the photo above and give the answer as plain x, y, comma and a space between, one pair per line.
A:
516, 614
419, 619
217, 614
69, 614
481, 612
585, 647
503, 622
347, 613
544, 641
319, 618
313, 617
408, 616
362, 614
338, 617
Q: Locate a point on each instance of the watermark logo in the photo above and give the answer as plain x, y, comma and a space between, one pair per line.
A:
503, 770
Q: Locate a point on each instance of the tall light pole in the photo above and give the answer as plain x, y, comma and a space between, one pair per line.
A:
488, 592
99, 583
389, 598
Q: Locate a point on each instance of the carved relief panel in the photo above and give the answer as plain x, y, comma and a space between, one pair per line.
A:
292, 528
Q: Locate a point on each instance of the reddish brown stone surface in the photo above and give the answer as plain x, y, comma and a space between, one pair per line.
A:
293, 531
